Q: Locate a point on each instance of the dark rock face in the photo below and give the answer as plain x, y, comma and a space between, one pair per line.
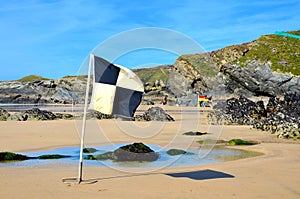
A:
258, 80
280, 117
135, 152
154, 114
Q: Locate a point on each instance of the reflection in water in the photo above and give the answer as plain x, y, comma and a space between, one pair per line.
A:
218, 154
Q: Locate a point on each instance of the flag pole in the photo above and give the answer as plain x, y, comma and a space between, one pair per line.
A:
91, 63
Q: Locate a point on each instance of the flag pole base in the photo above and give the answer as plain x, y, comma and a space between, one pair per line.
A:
78, 181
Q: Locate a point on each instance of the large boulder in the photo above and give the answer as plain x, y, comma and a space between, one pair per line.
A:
135, 152
130, 152
155, 114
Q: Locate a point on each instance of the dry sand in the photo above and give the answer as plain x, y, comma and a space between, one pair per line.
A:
273, 175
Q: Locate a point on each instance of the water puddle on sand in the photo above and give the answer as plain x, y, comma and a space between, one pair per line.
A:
217, 155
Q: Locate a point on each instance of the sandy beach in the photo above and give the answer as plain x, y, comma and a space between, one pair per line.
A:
272, 175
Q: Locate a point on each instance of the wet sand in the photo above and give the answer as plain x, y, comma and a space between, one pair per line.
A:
273, 175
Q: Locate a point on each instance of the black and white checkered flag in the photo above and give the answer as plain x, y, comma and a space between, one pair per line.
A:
116, 89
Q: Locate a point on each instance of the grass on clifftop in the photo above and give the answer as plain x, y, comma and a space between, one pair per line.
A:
31, 78
153, 74
200, 62
282, 52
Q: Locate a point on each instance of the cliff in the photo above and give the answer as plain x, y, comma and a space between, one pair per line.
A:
268, 66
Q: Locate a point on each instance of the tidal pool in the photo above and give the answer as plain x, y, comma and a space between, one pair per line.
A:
216, 155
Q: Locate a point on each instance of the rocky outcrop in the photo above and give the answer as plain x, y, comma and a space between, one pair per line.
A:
37, 114
268, 66
258, 80
33, 114
154, 114
63, 91
279, 116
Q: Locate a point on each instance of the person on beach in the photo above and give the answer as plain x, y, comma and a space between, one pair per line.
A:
164, 100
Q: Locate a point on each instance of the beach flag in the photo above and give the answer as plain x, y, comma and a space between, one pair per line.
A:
116, 89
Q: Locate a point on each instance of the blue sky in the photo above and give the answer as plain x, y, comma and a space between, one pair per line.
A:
52, 38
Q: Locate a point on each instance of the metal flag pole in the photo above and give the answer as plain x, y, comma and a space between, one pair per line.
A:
84, 119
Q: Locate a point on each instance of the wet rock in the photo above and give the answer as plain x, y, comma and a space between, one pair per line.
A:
52, 156
3, 115
282, 117
105, 156
195, 133
236, 142
89, 150
9, 156
279, 117
154, 114
241, 111
135, 152
173, 152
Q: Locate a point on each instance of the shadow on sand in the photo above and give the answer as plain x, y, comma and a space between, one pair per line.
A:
194, 175
201, 175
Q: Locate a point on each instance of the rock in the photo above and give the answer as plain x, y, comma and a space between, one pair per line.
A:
4, 115
131, 152
66, 91
52, 156
236, 142
239, 111
279, 117
154, 114
89, 150
195, 133
9, 156
33, 114
135, 152
94, 115
149, 102
64, 116
105, 156
173, 152
258, 79
98, 115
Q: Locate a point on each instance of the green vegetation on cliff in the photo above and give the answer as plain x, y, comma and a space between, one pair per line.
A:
31, 78
282, 52
153, 74
200, 62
